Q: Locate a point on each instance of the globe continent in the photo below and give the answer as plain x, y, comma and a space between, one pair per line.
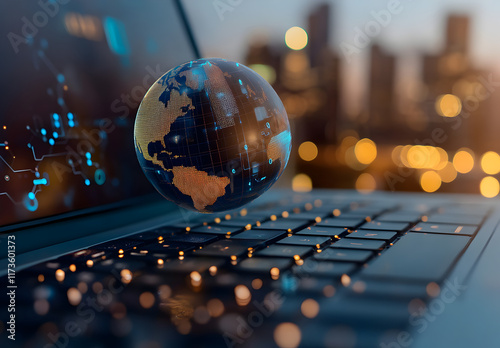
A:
212, 135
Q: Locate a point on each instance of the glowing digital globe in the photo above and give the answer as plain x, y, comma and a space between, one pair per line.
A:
212, 135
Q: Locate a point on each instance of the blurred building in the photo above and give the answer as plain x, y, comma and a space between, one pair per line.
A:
381, 111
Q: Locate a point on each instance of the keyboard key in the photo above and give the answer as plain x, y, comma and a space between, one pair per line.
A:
289, 225
400, 217
193, 238
265, 236
340, 222
330, 269
418, 256
456, 219
467, 209
305, 240
321, 231
228, 248
241, 221
217, 229
385, 226
363, 244
357, 215
166, 248
277, 250
146, 236
364, 234
264, 265
331, 254
117, 244
444, 228
190, 264
309, 215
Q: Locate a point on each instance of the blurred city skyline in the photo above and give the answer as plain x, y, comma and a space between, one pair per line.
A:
226, 28
398, 95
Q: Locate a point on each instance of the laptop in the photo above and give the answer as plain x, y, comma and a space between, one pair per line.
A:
91, 256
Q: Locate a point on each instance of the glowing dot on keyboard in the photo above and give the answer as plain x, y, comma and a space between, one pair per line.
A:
60, 275
345, 280
51, 141
275, 273
87, 182
31, 195
43, 131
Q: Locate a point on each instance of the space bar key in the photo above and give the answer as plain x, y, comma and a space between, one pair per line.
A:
418, 256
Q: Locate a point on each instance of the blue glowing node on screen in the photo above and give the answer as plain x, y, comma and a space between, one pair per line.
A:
212, 135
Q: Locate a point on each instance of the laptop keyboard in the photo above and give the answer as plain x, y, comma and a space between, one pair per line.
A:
366, 266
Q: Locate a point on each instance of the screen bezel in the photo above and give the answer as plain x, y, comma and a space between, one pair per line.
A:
123, 203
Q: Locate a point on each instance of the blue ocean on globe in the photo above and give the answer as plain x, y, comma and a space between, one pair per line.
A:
212, 135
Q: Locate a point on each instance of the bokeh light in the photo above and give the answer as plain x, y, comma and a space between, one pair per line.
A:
287, 335
448, 105
448, 173
296, 38
365, 151
266, 71
302, 183
309, 308
489, 187
463, 161
490, 163
366, 183
308, 151
430, 181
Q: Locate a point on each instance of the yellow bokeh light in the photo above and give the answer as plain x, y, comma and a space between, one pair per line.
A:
448, 105
490, 163
365, 151
365, 183
302, 183
463, 161
287, 335
489, 187
266, 71
308, 151
309, 308
448, 173
430, 181
296, 38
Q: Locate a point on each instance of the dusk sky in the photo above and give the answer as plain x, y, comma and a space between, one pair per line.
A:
419, 27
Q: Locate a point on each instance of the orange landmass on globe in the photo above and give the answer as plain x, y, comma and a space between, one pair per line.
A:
203, 189
154, 119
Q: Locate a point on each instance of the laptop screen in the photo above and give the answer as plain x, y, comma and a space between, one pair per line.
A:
72, 77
